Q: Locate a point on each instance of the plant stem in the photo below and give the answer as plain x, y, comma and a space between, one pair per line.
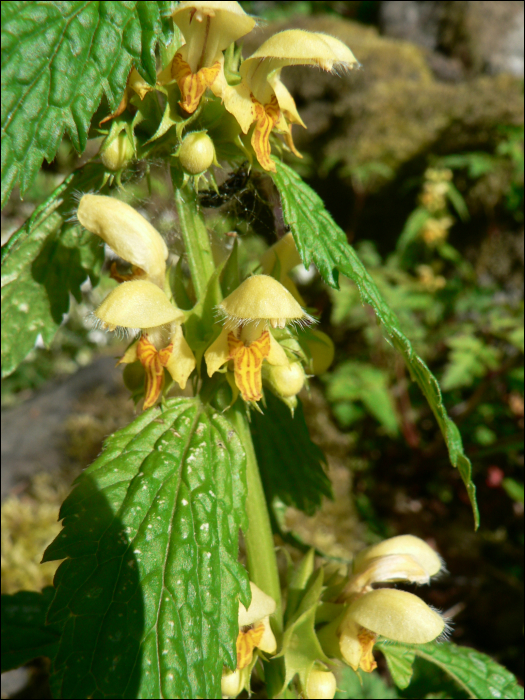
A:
260, 550
196, 241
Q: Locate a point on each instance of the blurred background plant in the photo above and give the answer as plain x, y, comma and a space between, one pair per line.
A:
420, 159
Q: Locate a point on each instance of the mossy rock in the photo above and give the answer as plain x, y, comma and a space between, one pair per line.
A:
393, 111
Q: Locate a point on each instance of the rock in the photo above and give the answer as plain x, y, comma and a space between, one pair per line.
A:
487, 36
380, 124
34, 433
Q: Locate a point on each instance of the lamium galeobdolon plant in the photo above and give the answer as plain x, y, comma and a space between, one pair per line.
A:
153, 598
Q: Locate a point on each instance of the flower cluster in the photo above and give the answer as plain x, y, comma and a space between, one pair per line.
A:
371, 613
260, 98
140, 302
203, 71
252, 313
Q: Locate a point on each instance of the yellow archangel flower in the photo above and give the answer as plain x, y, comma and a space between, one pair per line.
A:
128, 234
385, 612
140, 304
208, 28
262, 98
258, 303
254, 627
254, 633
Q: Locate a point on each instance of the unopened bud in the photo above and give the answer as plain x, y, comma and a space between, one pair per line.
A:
196, 153
321, 350
285, 380
232, 683
321, 684
117, 154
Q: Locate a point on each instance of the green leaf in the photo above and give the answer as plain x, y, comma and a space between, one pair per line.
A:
149, 590
357, 381
400, 661
25, 635
45, 260
300, 646
476, 673
319, 239
291, 465
514, 489
58, 60
364, 685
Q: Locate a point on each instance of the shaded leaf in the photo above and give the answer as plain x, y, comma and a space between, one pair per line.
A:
149, 591
58, 60
291, 465
400, 661
363, 685
320, 240
25, 635
48, 258
476, 673
357, 381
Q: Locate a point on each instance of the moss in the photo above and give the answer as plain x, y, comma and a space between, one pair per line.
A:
29, 524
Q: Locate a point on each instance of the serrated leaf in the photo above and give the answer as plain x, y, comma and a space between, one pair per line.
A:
150, 588
320, 240
400, 661
291, 465
45, 260
478, 674
25, 635
58, 59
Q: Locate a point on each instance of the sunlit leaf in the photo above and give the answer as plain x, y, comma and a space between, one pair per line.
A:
320, 240
150, 588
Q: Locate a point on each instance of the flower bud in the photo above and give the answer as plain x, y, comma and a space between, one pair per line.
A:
285, 380
321, 350
197, 152
321, 684
232, 683
117, 154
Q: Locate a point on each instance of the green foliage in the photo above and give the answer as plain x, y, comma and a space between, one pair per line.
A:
476, 673
320, 240
364, 685
79, 51
45, 260
356, 381
291, 464
148, 594
25, 635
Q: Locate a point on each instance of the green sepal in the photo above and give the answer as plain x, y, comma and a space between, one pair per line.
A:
300, 647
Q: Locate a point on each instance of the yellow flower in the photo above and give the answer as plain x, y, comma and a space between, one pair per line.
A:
321, 685
254, 627
140, 304
279, 259
385, 612
128, 234
208, 28
262, 98
402, 558
392, 614
259, 302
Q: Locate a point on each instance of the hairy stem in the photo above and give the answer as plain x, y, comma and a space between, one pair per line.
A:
260, 551
196, 240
